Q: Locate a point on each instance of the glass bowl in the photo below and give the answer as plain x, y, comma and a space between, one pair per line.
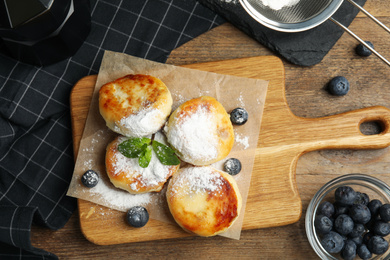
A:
373, 187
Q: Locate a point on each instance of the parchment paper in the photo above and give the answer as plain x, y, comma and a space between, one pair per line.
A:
184, 84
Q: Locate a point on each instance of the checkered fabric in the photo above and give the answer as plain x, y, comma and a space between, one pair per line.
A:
36, 156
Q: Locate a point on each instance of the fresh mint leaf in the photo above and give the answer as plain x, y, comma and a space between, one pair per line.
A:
165, 154
145, 157
133, 147
140, 148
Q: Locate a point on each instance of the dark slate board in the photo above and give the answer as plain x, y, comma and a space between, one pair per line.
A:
303, 48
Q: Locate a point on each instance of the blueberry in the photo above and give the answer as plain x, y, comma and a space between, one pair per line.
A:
343, 224
323, 224
370, 223
362, 50
339, 209
232, 166
349, 250
90, 179
326, 208
332, 242
239, 116
137, 216
358, 230
345, 195
377, 245
367, 237
357, 240
363, 252
360, 213
381, 228
374, 206
362, 198
384, 212
338, 86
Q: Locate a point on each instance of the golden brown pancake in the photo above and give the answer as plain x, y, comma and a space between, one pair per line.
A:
203, 200
125, 173
135, 105
200, 131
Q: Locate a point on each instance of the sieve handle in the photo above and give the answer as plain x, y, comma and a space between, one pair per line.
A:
361, 41
369, 15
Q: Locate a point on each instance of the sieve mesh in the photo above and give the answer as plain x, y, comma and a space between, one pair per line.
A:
302, 11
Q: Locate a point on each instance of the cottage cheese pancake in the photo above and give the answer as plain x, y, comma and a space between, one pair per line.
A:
203, 200
200, 131
125, 173
135, 105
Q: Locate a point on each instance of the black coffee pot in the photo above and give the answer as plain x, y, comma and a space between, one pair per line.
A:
42, 32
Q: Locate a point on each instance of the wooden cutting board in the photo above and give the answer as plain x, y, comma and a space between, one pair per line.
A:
273, 198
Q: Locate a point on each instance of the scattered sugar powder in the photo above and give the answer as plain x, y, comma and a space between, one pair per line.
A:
241, 100
243, 140
88, 164
106, 212
119, 199
152, 175
90, 148
198, 179
144, 122
193, 135
179, 99
279, 4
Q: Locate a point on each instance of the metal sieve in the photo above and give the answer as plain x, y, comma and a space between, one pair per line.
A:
304, 15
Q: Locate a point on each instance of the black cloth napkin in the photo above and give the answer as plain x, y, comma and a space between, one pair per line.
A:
303, 48
36, 156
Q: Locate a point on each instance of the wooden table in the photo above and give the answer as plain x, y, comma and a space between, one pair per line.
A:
307, 97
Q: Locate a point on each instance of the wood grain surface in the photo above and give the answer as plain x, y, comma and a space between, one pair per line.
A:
103, 230
273, 198
307, 97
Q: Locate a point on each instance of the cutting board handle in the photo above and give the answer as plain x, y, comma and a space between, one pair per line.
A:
342, 131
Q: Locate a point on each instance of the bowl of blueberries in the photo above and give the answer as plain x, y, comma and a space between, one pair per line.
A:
349, 218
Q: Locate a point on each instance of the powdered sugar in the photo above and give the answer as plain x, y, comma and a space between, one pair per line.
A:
198, 179
242, 140
146, 121
119, 199
94, 147
241, 100
193, 135
88, 163
279, 4
152, 175
178, 99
